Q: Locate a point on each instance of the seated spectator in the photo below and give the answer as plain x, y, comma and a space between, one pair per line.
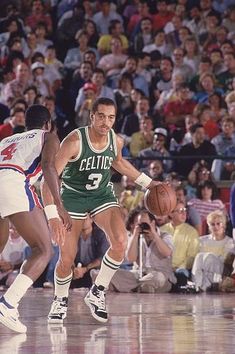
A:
179, 66
216, 57
217, 106
92, 245
159, 43
39, 79
199, 173
103, 17
185, 242
192, 54
206, 201
98, 79
131, 123
75, 56
145, 36
183, 104
15, 88
214, 248
158, 149
38, 14
142, 139
90, 28
112, 63
17, 118
198, 147
155, 170
83, 115
208, 87
30, 94
11, 257
226, 78
206, 117
193, 217
156, 275
222, 141
130, 197
41, 42
115, 29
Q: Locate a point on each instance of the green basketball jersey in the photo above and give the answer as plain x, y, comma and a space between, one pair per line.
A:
89, 172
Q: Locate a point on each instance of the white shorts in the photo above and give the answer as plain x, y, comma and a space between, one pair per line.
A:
16, 193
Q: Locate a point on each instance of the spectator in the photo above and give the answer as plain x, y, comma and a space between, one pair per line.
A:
83, 115
39, 79
30, 94
199, 174
142, 139
90, 28
163, 79
144, 36
214, 249
193, 217
185, 242
98, 79
157, 251
179, 65
198, 147
92, 246
17, 118
103, 18
158, 149
131, 123
226, 77
113, 63
206, 201
130, 198
115, 30
38, 15
16, 87
208, 88
159, 43
192, 54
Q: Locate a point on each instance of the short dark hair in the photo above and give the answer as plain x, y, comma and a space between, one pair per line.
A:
105, 101
36, 116
207, 184
194, 127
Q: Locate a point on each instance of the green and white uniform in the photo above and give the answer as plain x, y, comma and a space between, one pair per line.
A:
86, 186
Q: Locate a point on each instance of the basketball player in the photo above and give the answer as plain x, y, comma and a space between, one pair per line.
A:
86, 156
22, 157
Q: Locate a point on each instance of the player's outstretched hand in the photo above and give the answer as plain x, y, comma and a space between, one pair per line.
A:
156, 183
58, 231
65, 217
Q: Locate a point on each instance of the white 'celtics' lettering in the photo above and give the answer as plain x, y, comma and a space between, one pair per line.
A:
96, 163
95, 179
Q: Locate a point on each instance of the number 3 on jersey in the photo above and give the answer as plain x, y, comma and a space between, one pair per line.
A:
95, 179
9, 151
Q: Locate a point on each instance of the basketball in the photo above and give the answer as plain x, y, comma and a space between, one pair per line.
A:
160, 200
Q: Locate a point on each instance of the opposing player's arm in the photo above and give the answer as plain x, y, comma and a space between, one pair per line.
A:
126, 168
68, 149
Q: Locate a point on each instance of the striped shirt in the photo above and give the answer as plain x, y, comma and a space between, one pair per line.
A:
206, 207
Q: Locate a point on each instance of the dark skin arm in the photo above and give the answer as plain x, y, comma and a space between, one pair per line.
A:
50, 148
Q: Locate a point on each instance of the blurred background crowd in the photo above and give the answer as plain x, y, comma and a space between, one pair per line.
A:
170, 67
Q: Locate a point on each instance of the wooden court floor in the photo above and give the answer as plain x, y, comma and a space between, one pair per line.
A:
138, 324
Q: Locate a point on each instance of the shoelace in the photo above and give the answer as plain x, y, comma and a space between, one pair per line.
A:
101, 298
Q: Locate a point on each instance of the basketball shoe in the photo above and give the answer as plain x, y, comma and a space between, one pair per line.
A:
9, 317
95, 300
58, 310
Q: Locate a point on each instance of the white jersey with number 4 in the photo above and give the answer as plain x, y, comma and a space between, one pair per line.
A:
22, 152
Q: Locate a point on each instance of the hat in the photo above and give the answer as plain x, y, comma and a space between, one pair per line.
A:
89, 86
37, 65
161, 131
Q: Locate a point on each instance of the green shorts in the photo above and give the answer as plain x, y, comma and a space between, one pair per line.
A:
80, 205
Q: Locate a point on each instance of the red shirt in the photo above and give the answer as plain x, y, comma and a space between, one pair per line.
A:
5, 130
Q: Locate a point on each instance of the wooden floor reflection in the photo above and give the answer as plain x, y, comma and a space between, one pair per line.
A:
138, 323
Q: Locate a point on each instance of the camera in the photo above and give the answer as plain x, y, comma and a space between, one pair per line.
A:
144, 227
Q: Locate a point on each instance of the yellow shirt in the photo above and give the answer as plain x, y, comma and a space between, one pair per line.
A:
186, 244
138, 143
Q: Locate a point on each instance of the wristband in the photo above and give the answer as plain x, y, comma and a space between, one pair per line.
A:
143, 180
51, 211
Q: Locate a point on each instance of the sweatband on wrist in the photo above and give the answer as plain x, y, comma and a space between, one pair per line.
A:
143, 180
51, 211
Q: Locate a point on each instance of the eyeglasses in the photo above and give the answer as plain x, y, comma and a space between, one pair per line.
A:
180, 210
205, 172
216, 224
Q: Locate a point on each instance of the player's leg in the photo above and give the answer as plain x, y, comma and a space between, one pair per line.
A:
63, 273
32, 226
4, 232
111, 222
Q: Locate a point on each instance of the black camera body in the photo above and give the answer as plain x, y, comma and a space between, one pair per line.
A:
144, 227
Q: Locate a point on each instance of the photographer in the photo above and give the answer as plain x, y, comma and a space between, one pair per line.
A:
157, 275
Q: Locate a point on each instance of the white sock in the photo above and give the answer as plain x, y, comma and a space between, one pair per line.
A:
107, 270
62, 285
17, 289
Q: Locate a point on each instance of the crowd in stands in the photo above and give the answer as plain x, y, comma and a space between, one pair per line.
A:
170, 67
